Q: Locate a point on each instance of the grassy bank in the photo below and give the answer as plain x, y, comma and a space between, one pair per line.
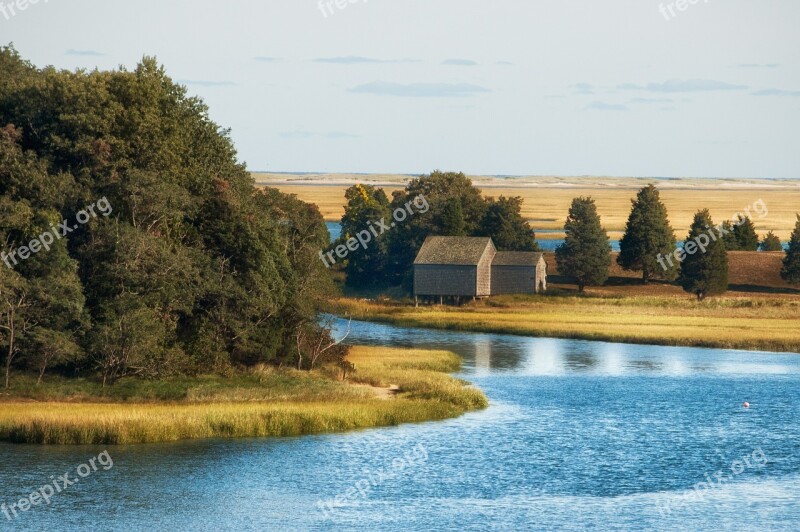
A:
269, 402
768, 324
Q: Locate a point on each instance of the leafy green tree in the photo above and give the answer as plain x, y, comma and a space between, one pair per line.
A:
704, 270
745, 233
648, 235
441, 190
194, 271
366, 207
503, 222
450, 219
586, 253
791, 263
16, 318
771, 243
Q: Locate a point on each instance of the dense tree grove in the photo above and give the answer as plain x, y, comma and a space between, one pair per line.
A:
192, 269
648, 235
454, 207
585, 254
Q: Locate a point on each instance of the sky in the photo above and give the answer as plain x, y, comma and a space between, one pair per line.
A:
504, 87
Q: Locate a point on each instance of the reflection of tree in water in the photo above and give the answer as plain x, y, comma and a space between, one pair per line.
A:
580, 361
645, 365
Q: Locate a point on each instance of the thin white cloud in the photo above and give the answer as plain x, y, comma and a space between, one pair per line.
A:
756, 65
459, 62
584, 88
89, 53
602, 106
206, 83
776, 92
689, 85
359, 60
304, 134
650, 100
420, 90
265, 59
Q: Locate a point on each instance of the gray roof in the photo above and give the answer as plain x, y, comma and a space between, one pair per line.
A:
517, 258
462, 250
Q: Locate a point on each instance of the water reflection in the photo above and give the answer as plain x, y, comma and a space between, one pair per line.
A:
486, 354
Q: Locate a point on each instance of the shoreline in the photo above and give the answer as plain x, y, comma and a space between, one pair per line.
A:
417, 388
628, 319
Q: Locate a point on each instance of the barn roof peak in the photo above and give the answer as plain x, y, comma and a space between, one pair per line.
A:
457, 250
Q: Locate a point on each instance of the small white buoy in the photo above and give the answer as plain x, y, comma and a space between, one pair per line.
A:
746, 404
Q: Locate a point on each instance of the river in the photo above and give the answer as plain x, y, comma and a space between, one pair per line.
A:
578, 435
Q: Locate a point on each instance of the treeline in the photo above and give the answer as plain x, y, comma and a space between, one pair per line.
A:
193, 271
457, 208
454, 207
649, 246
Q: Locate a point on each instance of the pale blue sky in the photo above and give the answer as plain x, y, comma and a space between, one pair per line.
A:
539, 87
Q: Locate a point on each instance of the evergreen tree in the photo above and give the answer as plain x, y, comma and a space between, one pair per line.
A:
791, 264
648, 235
771, 243
503, 222
745, 233
586, 252
704, 272
729, 236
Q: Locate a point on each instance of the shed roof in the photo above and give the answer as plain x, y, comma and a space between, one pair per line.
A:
456, 250
517, 258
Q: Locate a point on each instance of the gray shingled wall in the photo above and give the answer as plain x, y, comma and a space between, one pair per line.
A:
513, 280
445, 280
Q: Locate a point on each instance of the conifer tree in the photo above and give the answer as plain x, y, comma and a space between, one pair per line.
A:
704, 270
729, 236
648, 236
791, 264
771, 243
586, 252
504, 223
745, 233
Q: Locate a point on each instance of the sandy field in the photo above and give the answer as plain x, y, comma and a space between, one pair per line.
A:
547, 199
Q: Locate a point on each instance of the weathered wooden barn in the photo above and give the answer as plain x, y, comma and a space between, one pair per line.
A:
472, 267
518, 272
454, 266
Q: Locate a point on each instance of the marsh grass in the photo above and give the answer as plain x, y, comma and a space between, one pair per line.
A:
260, 404
767, 324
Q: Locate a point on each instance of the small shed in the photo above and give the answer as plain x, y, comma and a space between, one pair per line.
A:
454, 266
518, 272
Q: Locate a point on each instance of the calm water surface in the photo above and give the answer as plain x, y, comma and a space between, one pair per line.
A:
579, 435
